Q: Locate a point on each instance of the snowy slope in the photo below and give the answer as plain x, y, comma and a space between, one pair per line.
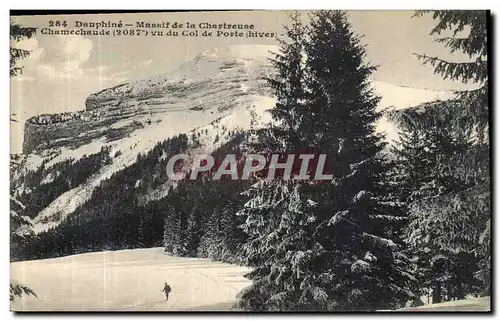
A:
129, 280
471, 305
399, 97
215, 93
220, 91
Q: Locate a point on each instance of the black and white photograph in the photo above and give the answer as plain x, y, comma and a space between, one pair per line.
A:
250, 161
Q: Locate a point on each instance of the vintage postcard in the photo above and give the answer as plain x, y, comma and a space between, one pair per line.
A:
250, 161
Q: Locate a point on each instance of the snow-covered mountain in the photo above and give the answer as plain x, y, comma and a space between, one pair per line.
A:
215, 84
221, 91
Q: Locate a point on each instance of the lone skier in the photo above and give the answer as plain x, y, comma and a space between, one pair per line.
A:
167, 289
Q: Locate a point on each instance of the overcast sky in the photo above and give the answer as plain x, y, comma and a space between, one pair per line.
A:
63, 70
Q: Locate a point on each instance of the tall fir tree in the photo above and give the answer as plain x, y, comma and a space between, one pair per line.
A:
261, 213
444, 258
328, 247
449, 209
355, 218
268, 200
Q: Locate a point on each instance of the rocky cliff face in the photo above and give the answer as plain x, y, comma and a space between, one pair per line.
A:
211, 86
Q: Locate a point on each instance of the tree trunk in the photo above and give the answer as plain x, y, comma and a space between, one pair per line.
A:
450, 296
436, 293
460, 291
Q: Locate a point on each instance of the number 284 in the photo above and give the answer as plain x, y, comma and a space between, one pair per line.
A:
57, 23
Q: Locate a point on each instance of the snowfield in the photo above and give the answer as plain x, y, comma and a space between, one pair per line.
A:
128, 280
471, 305
132, 280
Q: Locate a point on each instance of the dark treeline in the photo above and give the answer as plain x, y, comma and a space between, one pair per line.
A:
196, 217
64, 176
200, 216
113, 218
48, 119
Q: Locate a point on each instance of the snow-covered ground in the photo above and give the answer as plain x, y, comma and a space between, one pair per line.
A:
475, 304
131, 280
128, 280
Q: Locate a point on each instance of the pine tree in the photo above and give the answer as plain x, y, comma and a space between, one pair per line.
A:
442, 231
475, 46
355, 217
268, 200
219, 235
19, 225
289, 87
175, 230
18, 33
325, 246
449, 209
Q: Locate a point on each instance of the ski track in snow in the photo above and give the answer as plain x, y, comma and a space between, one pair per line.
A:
128, 280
